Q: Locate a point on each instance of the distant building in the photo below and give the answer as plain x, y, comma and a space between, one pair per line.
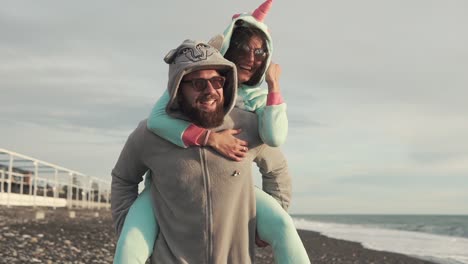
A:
25, 175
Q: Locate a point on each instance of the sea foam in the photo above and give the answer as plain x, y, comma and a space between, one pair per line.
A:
442, 249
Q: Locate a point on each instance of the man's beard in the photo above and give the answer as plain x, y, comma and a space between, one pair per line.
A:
202, 118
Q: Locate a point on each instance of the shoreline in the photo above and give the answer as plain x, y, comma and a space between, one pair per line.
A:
326, 250
89, 238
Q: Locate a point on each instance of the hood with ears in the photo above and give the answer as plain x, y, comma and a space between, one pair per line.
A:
193, 56
253, 19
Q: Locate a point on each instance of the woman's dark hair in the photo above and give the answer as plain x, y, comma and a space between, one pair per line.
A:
242, 34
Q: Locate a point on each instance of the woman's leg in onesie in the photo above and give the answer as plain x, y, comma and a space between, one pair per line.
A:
275, 226
139, 232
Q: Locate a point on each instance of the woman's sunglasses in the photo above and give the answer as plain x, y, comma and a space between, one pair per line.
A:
245, 50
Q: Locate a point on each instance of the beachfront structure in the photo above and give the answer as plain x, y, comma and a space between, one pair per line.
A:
26, 181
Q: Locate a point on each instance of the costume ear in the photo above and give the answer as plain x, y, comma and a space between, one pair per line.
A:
169, 58
216, 41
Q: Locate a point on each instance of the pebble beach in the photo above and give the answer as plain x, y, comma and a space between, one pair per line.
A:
55, 237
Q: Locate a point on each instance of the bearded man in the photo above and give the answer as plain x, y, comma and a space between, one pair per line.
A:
204, 203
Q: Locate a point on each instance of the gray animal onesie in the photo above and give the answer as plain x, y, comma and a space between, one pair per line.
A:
204, 203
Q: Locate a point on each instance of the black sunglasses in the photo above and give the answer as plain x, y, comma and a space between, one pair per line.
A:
245, 50
200, 84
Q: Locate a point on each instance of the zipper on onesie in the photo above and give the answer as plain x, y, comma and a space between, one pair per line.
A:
209, 209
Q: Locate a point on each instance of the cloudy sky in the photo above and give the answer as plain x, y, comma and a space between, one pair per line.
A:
376, 91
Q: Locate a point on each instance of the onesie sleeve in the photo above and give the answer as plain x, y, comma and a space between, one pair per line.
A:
276, 180
272, 119
126, 175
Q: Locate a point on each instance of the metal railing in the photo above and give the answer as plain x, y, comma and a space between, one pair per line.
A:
31, 182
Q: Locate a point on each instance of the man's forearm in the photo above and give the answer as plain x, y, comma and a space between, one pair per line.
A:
276, 180
123, 194
126, 175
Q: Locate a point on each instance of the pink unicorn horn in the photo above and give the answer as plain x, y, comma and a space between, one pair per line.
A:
260, 13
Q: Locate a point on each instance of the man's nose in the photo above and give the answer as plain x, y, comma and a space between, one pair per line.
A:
209, 88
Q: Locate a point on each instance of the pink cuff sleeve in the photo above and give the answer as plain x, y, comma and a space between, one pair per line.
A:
274, 99
192, 134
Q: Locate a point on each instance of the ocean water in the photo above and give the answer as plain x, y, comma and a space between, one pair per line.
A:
439, 238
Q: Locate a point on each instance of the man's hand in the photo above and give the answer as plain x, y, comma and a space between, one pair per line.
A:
272, 77
228, 145
259, 242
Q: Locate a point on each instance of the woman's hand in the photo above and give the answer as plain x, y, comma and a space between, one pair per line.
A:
272, 77
228, 145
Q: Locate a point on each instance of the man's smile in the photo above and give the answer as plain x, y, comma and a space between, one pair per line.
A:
207, 103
